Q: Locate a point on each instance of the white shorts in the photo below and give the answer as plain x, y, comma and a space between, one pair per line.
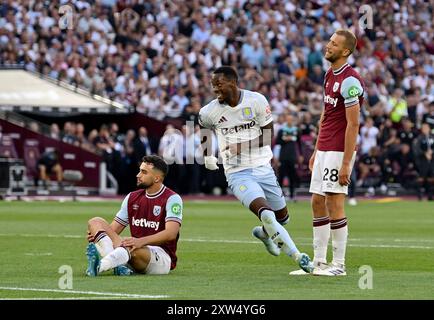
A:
325, 172
160, 261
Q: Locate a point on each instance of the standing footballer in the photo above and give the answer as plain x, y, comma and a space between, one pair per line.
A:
243, 124
333, 158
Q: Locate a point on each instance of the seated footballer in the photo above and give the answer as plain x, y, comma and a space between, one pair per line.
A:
154, 214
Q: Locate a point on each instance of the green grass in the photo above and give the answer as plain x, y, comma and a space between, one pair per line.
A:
395, 239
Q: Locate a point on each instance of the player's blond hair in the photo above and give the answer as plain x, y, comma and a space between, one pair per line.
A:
350, 39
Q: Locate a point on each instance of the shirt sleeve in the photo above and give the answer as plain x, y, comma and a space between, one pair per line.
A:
122, 215
263, 111
174, 208
351, 90
204, 119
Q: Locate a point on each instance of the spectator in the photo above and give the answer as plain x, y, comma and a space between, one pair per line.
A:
129, 164
288, 138
190, 170
54, 131
369, 134
49, 164
397, 106
370, 168
424, 158
169, 46
69, 133
106, 147
171, 150
429, 116
142, 145
407, 134
34, 126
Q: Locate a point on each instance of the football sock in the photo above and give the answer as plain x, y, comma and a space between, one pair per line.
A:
103, 243
117, 257
339, 231
321, 236
283, 220
277, 233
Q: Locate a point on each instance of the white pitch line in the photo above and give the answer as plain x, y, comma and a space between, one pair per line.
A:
113, 294
35, 235
38, 254
67, 298
29, 235
310, 243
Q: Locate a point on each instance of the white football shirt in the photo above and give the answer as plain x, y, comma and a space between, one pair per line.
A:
239, 124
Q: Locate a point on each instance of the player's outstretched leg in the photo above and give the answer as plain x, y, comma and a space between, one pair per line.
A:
93, 260
281, 238
271, 247
117, 258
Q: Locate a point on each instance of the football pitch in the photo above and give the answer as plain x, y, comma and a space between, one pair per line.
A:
390, 254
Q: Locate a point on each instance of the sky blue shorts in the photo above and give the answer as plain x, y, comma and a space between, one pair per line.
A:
260, 182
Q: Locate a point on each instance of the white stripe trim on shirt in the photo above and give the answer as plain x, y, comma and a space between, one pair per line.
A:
173, 219
122, 222
341, 69
156, 194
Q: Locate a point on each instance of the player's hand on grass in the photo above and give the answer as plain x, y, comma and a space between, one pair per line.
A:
344, 175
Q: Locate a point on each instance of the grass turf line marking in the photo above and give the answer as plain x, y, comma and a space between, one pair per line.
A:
112, 294
28, 235
301, 243
68, 298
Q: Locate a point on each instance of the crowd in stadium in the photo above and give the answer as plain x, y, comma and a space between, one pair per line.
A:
157, 56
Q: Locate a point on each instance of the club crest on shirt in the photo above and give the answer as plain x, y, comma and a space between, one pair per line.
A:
135, 206
156, 211
247, 113
335, 86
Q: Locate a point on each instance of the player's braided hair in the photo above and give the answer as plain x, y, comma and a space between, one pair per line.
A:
158, 163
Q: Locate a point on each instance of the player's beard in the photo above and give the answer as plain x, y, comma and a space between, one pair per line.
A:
143, 185
332, 58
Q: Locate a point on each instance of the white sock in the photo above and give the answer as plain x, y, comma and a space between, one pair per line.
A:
278, 234
339, 232
103, 243
117, 257
321, 236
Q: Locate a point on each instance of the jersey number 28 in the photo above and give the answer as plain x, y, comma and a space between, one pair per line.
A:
333, 177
